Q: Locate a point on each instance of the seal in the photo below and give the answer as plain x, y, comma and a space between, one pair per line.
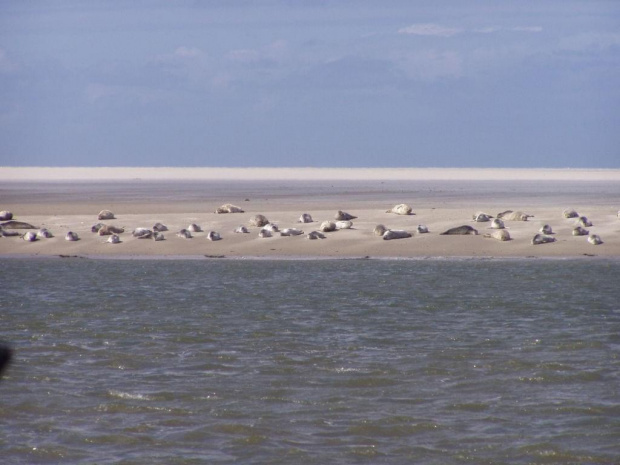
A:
344, 216
422, 229
291, 232
185, 234
213, 236
30, 236
542, 239
344, 224
546, 229
17, 225
158, 227
158, 236
194, 228
114, 239
570, 213
510, 215
44, 233
497, 224
6, 215
71, 237
241, 229
264, 233
379, 230
305, 218
327, 226
395, 234
105, 215
229, 208
271, 227
400, 209
595, 239
4, 233
460, 231
481, 217
107, 230
580, 231
259, 221
142, 233
499, 234
315, 235
583, 221
96, 227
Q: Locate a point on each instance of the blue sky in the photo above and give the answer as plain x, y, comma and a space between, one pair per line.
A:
310, 83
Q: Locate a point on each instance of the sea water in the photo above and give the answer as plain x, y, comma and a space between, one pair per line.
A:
311, 362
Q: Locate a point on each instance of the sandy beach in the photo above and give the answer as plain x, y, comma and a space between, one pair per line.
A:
69, 199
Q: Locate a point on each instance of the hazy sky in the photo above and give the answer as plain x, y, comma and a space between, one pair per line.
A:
451, 83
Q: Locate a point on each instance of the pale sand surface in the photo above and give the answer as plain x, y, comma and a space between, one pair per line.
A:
441, 199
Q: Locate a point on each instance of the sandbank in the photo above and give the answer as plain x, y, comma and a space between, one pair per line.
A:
63, 199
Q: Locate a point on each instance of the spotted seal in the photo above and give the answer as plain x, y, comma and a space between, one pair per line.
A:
107, 230
305, 218
379, 230
460, 231
96, 227
570, 213
194, 228
422, 229
595, 239
142, 233
44, 233
400, 209
159, 227
344, 224
542, 239
6, 215
264, 233
241, 229
481, 217
497, 223
580, 231
72, 236
327, 226
229, 208
158, 236
546, 229
214, 236
271, 227
17, 225
315, 235
499, 234
395, 234
105, 215
114, 239
185, 234
344, 216
584, 221
259, 221
30, 236
291, 232
510, 215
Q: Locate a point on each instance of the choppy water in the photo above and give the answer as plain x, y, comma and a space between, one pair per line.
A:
314, 362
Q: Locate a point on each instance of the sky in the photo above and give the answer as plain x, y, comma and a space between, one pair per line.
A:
350, 83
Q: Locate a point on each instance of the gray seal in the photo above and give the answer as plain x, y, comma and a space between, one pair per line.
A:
570, 213
6, 215
546, 229
422, 229
213, 236
194, 228
108, 230
241, 229
379, 230
595, 239
580, 231
305, 218
229, 208
481, 217
542, 239
327, 226
30, 236
315, 235
158, 227
142, 233
460, 231
259, 221
44, 233
105, 215
510, 215
17, 225
401, 209
497, 224
344, 216
185, 234
71, 236
584, 221
291, 232
114, 239
499, 234
395, 234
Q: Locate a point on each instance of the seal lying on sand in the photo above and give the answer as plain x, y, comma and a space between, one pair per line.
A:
395, 234
241, 229
158, 227
594, 239
44, 233
213, 236
158, 236
6, 215
400, 209
460, 231
96, 227
579, 231
194, 228
259, 221
583, 221
344, 216
305, 218
379, 230
422, 229
17, 225
271, 227
499, 234
185, 234
114, 239
316, 235
105, 215
30, 236
510, 215
71, 237
107, 230
291, 232
570, 213
264, 233
481, 217
497, 224
546, 229
142, 233
344, 224
327, 226
542, 239
4, 233
228, 208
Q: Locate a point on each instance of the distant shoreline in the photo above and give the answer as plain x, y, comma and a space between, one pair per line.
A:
17, 174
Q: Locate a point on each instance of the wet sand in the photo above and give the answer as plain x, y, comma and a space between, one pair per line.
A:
63, 199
